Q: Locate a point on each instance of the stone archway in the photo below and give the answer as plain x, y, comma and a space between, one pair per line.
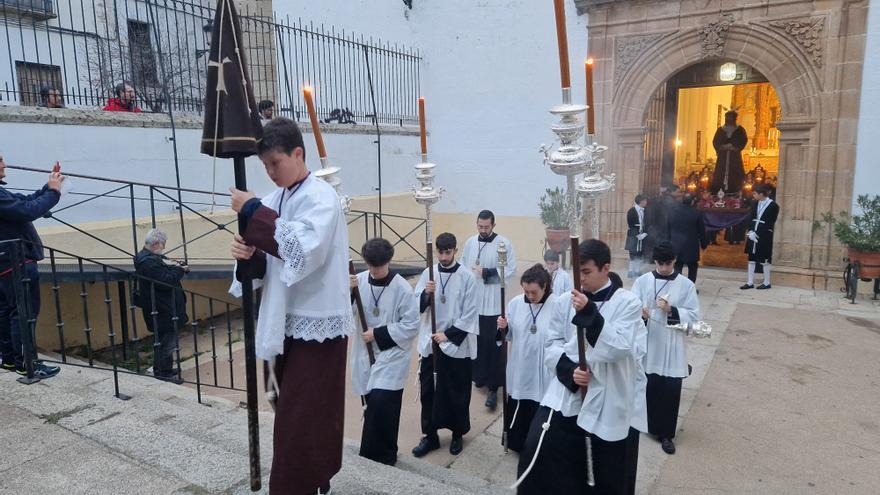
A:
801, 56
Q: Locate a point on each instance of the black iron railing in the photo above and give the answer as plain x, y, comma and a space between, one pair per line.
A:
142, 200
407, 234
84, 48
207, 340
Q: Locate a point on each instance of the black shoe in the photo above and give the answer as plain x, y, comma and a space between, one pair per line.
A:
427, 444
41, 371
746, 286
171, 378
8, 366
763, 287
456, 446
667, 445
690, 369
492, 400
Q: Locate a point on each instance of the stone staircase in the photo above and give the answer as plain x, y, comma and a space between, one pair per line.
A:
71, 435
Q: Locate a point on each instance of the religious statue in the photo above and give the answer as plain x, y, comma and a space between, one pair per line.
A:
719, 202
729, 141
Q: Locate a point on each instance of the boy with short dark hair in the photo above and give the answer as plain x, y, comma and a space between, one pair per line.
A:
392, 316
446, 399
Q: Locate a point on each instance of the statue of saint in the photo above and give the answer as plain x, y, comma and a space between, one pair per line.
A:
729, 141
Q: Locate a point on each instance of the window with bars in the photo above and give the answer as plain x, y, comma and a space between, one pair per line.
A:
32, 77
143, 58
42, 9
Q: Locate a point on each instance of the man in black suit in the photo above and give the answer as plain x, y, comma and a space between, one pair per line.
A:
759, 243
688, 233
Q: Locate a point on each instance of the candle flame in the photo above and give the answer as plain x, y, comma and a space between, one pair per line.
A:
590, 61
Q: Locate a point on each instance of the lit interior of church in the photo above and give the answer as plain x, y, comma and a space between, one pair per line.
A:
701, 111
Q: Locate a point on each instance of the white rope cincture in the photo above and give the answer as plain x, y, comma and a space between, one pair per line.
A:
513, 419
274, 392
544, 427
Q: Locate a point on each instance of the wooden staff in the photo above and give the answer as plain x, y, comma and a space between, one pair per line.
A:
502, 263
429, 240
429, 260
576, 278
582, 347
362, 316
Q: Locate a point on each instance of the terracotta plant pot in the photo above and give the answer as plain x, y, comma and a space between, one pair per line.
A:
558, 239
869, 263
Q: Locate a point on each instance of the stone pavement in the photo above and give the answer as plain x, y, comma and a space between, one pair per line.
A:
70, 435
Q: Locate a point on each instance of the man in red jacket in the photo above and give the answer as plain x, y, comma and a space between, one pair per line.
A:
124, 101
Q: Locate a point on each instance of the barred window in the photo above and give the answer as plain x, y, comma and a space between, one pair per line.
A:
32, 77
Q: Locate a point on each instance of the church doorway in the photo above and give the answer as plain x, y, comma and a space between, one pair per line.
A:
687, 122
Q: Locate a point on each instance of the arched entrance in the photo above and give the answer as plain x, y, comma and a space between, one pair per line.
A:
815, 116
685, 114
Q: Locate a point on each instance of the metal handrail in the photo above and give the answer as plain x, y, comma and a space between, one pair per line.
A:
128, 317
120, 181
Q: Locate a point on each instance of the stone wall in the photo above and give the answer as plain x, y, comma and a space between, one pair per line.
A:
811, 51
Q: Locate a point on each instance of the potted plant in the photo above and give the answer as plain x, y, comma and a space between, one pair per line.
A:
860, 234
554, 216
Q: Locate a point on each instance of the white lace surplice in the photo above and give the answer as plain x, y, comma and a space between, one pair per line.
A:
306, 291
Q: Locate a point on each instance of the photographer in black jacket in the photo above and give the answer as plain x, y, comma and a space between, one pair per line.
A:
161, 280
17, 214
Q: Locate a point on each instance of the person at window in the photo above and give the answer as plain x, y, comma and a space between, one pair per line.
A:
51, 97
125, 99
267, 111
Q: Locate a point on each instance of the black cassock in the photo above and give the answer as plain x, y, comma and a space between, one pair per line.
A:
729, 162
445, 404
634, 228
762, 251
688, 234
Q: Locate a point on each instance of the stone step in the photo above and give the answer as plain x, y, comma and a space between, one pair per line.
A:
164, 438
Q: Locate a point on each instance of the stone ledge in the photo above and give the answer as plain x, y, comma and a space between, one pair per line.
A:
99, 118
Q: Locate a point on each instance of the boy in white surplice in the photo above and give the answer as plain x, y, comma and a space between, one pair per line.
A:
667, 298
613, 412
562, 283
446, 395
295, 242
480, 255
392, 315
528, 323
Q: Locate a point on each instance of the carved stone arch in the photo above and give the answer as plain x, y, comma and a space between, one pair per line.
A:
784, 64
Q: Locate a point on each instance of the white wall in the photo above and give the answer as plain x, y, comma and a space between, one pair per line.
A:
867, 176
146, 155
490, 73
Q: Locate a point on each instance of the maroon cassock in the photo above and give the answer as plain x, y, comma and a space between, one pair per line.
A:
310, 411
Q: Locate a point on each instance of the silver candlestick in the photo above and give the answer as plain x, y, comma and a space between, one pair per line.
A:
426, 193
570, 158
329, 174
595, 183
